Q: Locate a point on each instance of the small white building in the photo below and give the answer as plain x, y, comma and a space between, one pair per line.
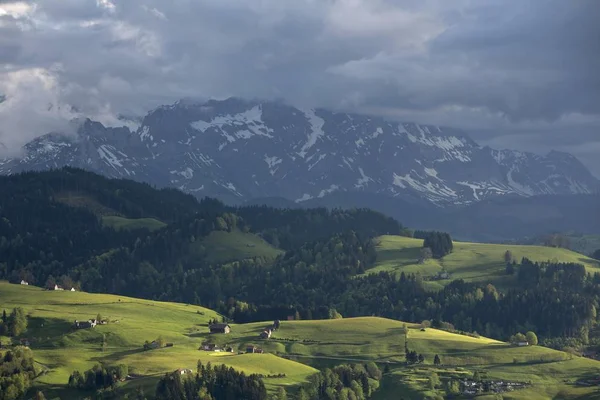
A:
72, 289
56, 287
184, 371
523, 344
24, 283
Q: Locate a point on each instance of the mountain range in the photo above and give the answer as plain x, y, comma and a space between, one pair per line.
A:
238, 150
244, 150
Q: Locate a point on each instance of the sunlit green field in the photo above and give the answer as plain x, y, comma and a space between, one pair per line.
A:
477, 262
224, 247
382, 341
296, 345
60, 350
120, 223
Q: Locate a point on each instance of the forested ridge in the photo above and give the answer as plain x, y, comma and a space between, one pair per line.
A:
51, 230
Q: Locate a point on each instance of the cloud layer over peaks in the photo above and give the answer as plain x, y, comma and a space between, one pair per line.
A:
510, 69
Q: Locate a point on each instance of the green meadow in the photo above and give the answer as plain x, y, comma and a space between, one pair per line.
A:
119, 223
475, 262
297, 349
59, 349
223, 247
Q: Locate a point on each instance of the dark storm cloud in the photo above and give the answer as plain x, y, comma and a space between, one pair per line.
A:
512, 69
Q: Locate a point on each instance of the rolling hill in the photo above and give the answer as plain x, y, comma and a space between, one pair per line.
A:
294, 350
223, 247
476, 262
59, 349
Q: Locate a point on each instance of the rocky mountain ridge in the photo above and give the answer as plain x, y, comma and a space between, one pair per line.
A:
238, 150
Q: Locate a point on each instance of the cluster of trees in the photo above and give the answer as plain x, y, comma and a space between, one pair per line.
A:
98, 377
557, 240
569, 276
289, 229
158, 343
596, 255
17, 371
529, 338
212, 383
440, 243
13, 324
344, 382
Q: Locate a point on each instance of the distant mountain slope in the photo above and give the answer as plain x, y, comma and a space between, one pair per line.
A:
238, 150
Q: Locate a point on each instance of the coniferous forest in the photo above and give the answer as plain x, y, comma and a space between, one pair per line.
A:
51, 231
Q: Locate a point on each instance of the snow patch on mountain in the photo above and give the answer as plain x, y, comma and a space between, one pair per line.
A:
305, 197
316, 124
107, 153
432, 172
363, 180
331, 189
190, 146
272, 162
242, 125
187, 173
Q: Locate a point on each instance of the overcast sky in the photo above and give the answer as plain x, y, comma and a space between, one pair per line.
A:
516, 74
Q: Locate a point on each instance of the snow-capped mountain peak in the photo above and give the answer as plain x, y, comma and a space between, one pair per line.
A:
237, 150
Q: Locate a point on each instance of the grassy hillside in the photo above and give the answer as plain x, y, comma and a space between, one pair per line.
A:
59, 349
295, 346
119, 223
477, 262
222, 247
327, 342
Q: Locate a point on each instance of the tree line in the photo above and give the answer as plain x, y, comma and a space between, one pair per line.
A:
344, 382
211, 383
13, 324
17, 371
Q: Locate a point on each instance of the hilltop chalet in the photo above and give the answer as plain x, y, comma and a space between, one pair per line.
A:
85, 324
219, 328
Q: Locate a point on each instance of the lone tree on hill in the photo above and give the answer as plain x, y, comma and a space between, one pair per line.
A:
596, 254
531, 338
436, 360
508, 257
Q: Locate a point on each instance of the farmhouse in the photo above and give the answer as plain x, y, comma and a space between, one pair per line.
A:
219, 328
266, 334
24, 283
254, 350
85, 324
56, 287
210, 347
184, 371
522, 344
